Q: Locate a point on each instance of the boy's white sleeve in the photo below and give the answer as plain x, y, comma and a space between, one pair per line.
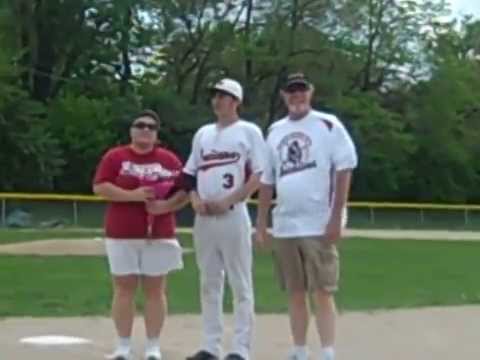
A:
193, 161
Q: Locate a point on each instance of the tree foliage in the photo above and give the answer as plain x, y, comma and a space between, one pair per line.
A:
403, 77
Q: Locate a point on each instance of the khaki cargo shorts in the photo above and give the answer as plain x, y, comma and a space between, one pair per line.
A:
306, 264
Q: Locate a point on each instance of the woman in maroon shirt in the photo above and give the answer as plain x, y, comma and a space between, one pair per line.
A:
140, 183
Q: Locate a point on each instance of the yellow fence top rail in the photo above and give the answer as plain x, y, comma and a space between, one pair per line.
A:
50, 197
353, 204
418, 206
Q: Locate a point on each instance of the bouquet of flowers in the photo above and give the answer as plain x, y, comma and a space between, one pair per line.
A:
161, 189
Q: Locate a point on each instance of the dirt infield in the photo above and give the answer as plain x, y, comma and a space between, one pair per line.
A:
433, 333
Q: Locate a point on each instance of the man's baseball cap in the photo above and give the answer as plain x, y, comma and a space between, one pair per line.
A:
231, 87
297, 79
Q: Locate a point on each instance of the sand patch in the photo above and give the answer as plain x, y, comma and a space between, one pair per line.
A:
430, 333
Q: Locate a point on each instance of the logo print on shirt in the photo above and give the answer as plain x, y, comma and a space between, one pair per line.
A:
216, 158
149, 172
294, 150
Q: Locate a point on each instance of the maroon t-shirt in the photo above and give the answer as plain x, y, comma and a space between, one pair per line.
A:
125, 168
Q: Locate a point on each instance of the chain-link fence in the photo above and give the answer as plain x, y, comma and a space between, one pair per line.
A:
88, 211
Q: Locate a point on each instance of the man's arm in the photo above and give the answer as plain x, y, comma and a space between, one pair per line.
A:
342, 189
265, 196
178, 200
174, 203
189, 184
198, 204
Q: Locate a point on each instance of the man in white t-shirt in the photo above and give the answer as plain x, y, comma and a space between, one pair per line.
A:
311, 158
223, 170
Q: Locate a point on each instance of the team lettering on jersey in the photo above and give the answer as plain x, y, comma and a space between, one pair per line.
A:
150, 172
294, 151
216, 158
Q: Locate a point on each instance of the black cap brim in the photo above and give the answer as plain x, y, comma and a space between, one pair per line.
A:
297, 82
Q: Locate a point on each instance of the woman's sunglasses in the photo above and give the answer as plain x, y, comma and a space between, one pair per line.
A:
145, 126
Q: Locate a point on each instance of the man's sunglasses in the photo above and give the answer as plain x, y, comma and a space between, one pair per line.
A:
296, 87
143, 126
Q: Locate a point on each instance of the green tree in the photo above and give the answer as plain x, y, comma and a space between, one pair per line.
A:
444, 113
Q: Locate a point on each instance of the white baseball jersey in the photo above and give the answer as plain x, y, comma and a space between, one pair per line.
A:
223, 157
303, 156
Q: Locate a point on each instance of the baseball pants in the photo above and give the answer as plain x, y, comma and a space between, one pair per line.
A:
223, 246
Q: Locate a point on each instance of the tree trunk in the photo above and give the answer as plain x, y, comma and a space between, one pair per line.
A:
126, 71
248, 59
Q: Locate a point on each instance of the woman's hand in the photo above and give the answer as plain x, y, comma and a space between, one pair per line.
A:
158, 207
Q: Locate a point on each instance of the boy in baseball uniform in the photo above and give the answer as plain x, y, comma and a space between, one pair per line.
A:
223, 170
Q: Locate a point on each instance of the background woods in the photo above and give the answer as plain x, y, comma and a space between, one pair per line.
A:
402, 75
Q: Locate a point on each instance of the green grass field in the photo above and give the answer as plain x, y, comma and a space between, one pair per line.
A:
376, 274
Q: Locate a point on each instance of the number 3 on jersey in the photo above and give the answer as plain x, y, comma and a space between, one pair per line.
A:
228, 181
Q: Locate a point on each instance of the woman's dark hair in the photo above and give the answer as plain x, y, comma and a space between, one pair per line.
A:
148, 113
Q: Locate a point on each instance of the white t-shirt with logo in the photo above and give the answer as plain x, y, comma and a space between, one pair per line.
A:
223, 157
303, 156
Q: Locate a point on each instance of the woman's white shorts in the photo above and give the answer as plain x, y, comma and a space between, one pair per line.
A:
143, 257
